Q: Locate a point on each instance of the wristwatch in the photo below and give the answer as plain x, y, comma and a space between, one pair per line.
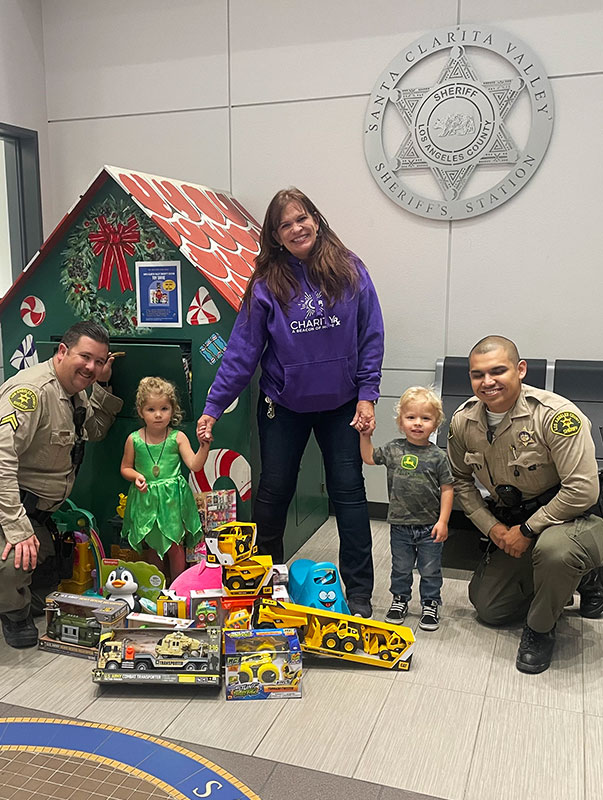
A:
104, 384
527, 531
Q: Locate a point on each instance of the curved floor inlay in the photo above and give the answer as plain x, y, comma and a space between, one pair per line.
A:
74, 760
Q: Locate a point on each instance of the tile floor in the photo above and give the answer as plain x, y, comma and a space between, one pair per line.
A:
462, 723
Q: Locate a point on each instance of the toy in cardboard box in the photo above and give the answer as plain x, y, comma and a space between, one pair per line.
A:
215, 509
74, 623
231, 543
205, 607
137, 583
170, 604
343, 636
141, 620
127, 227
262, 664
159, 655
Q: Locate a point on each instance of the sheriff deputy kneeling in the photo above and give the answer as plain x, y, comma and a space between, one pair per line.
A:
45, 419
533, 452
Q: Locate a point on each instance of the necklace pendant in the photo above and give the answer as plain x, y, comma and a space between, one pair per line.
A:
155, 470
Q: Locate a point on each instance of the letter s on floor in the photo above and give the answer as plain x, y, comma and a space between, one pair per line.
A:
207, 792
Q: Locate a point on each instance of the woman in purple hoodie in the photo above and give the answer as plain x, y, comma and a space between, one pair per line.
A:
311, 316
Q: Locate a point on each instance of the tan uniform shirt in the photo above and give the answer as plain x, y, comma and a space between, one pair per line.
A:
542, 441
37, 434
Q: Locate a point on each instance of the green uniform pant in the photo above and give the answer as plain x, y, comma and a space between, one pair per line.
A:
539, 584
15, 593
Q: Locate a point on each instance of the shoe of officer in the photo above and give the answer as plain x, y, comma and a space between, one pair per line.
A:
590, 590
19, 632
535, 651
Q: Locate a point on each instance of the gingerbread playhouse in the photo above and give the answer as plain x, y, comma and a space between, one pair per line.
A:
163, 264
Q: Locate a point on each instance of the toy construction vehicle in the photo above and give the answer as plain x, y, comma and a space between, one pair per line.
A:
257, 666
340, 635
249, 577
230, 543
260, 665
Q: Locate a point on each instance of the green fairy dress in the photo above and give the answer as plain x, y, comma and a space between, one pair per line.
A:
166, 513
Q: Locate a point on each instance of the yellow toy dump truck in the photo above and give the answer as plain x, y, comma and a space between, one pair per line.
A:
230, 543
341, 635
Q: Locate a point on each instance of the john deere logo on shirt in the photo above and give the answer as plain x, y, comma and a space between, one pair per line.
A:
409, 462
566, 423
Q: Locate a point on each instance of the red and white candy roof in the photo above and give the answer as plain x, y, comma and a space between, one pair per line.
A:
211, 229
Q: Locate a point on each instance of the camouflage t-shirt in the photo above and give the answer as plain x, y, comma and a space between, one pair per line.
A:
414, 477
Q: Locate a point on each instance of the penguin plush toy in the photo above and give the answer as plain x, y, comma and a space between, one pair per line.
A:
121, 585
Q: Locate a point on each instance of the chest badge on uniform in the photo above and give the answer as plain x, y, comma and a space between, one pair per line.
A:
526, 437
566, 423
23, 399
409, 461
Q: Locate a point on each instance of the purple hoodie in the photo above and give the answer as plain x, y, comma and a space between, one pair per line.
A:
313, 358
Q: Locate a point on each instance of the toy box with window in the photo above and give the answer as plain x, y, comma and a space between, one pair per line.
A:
205, 607
215, 509
159, 655
74, 623
262, 664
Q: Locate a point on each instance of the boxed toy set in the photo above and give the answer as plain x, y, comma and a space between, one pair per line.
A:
326, 632
159, 655
262, 664
74, 623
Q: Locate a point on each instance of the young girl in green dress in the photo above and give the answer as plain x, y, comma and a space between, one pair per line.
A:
161, 511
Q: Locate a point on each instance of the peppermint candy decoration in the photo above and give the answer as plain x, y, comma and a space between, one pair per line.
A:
202, 309
26, 354
33, 311
223, 463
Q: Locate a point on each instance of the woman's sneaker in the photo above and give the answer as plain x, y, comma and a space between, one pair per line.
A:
397, 611
430, 618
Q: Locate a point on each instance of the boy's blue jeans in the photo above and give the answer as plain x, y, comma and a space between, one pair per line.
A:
412, 544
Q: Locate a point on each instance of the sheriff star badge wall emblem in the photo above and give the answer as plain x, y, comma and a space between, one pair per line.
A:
453, 111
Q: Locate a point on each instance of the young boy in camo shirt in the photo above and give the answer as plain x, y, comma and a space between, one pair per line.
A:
420, 493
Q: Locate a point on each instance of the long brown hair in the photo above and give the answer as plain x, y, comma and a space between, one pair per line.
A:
330, 266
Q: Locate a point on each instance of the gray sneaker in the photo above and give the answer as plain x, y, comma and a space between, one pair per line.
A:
397, 611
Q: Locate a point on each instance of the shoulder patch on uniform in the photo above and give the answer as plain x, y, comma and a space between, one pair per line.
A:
23, 399
10, 419
566, 423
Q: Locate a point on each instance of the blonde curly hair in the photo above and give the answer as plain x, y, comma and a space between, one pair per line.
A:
159, 387
420, 394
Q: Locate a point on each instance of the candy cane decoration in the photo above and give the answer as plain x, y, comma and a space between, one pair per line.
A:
223, 464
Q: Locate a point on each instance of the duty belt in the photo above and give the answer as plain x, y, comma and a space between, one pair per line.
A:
521, 510
30, 502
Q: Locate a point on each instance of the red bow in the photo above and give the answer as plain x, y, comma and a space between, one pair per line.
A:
114, 242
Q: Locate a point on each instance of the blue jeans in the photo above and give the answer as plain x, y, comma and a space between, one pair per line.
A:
283, 440
410, 544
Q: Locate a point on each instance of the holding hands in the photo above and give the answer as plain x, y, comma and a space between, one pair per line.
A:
205, 423
364, 418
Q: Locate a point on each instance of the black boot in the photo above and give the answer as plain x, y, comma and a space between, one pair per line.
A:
19, 633
535, 650
590, 589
